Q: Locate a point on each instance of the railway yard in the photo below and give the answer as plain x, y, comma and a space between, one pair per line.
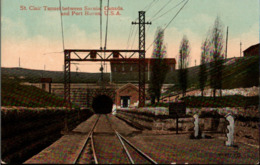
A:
106, 139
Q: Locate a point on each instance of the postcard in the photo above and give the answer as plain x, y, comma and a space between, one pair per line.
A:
130, 81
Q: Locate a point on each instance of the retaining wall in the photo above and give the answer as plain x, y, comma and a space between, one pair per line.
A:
26, 131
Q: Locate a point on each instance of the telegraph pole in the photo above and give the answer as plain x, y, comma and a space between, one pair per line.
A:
240, 49
226, 43
142, 63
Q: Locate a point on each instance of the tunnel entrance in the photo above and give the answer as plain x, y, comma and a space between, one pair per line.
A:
102, 104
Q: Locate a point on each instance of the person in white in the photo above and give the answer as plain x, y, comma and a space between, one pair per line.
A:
196, 125
231, 129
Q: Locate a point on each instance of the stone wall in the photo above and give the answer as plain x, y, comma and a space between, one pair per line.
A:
253, 91
246, 127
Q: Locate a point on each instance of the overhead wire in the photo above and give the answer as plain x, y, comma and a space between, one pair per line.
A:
106, 30
130, 34
52, 53
176, 14
134, 37
149, 6
161, 9
100, 24
62, 33
101, 68
106, 24
153, 19
169, 23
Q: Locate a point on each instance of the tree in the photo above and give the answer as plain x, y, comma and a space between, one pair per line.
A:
203, 75
183, 64
158, 67
217, 56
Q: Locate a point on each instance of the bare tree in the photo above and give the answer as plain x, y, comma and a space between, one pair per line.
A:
158, 67
203, 75
217, 56
184, 53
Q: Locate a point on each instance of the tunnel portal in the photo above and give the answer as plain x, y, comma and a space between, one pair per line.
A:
102, 104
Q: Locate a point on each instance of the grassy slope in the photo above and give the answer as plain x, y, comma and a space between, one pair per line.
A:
242, 73
14, 94
57, 76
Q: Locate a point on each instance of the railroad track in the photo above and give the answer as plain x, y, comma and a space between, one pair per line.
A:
109, 146
83, 148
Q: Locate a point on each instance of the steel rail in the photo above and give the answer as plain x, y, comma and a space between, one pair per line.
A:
139, 151
93, 148
122, 143
126, 150
86, 141
121, 138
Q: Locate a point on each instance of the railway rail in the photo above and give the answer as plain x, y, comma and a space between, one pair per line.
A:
116, 144
89, 136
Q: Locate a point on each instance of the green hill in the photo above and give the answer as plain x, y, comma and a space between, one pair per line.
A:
238, 72
34, 76
14, 94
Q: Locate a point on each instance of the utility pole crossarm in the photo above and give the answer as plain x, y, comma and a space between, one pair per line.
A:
134, 23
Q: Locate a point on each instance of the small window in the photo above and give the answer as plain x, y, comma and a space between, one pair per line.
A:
123, 68
172, 68
115, 69
131, 68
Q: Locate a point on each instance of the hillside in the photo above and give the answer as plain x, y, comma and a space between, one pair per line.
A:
237, 73
34, 76
14, 94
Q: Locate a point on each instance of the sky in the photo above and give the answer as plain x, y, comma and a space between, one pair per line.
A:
33, 33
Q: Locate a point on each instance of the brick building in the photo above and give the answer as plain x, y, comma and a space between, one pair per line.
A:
127, 95
127, 71
123, 81
253, 50
46, 84
132, 64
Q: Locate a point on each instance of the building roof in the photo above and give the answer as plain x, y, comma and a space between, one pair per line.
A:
147, 60
128, 85
252, 47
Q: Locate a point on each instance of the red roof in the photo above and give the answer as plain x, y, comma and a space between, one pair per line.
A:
147, 60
